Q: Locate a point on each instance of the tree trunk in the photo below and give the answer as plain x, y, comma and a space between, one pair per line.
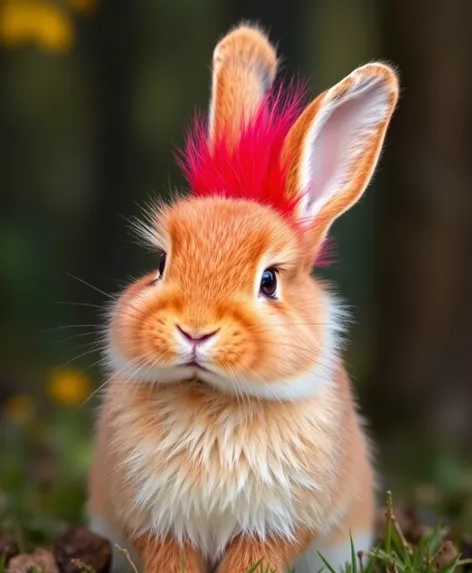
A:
111, 57
422, 381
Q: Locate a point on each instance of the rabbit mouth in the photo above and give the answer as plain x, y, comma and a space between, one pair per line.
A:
195, 364
197, 372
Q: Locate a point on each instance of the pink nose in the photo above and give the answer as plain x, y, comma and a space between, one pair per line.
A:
196, 337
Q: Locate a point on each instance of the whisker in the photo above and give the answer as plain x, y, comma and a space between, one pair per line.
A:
105, 383
91, 286
79, 304
75, 336
137, 370
96, 344
100, 361
94, 393
54, 328
289, 323
93, 350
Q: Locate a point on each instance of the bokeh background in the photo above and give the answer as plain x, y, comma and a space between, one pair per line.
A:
95, 97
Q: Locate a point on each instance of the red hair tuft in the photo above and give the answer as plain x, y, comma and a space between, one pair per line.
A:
252, 168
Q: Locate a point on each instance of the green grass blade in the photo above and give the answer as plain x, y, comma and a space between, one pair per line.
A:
434, 539
326, 563
371, 563
256, 565
353, 554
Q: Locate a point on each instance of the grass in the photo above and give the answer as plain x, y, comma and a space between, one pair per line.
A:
45, 451
434, 552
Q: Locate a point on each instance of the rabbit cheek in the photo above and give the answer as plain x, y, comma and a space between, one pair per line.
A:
241, 344
246, 345
235, 352
141, 327
153, 336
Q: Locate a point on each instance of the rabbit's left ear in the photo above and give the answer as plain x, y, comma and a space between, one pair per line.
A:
244, 68
334, 146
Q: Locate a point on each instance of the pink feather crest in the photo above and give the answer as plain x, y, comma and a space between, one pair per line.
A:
251, 168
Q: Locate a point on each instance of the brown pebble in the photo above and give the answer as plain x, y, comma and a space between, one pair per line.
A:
40, 560
445, 555
8, 547
80, 543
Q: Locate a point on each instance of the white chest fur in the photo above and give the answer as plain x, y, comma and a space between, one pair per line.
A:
207, 482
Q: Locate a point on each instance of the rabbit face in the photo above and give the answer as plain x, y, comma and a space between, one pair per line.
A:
231, 305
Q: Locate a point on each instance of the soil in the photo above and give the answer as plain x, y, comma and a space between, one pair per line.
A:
77, 549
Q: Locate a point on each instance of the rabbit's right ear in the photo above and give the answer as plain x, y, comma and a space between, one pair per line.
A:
244, 68
334, 146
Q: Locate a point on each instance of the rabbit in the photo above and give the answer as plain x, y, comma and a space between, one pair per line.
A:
228, 432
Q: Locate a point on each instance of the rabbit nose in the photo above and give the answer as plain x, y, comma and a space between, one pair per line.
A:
196, 337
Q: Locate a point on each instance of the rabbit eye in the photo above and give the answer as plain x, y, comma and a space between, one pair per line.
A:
162, 264
268, 286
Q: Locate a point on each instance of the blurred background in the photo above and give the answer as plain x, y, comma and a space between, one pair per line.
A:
95, 97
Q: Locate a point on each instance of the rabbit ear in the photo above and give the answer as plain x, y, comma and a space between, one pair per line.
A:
244, 67
334, 146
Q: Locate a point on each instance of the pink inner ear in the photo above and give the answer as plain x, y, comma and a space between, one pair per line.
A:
326, 255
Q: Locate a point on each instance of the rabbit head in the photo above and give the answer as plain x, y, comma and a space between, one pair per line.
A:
232, 303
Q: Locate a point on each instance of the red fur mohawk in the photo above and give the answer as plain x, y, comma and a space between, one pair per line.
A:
252, 167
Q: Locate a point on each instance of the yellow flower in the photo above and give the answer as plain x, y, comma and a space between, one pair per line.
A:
69, 386
55, 30
16, 23
19, 408
25, 21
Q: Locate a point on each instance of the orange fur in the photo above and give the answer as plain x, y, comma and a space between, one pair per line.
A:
336, 455
244, 67
216, 270
254, 448
362, 168
159, 555
275, 553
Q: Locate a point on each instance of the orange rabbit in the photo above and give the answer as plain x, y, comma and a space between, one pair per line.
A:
229, 432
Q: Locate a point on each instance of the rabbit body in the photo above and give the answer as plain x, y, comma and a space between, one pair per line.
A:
228, 430
214, 468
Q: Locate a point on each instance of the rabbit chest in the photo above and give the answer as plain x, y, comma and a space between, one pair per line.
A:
206, 468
